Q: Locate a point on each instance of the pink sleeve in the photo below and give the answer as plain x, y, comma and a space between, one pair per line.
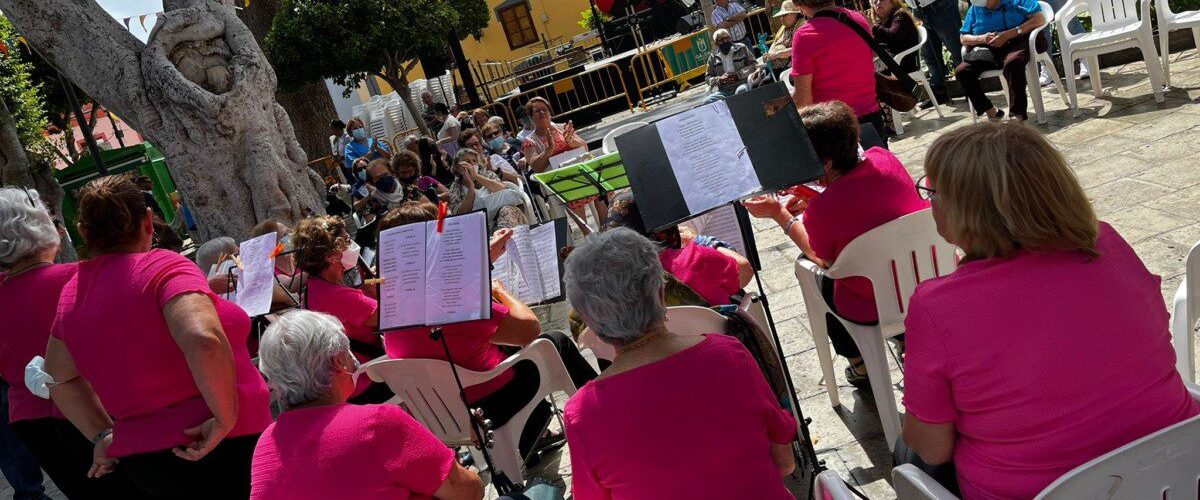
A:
928, 394
781, 426
803, 50
174, 275
584, 483
357, 309
411, 455
721, 268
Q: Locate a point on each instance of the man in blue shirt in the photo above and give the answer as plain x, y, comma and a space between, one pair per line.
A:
363, 145
996, 35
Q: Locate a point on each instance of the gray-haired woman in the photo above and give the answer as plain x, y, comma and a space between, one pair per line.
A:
29, 292
709, 400
323, 447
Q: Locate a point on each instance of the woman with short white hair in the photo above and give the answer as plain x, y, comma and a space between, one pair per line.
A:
615, 283
323, 447
29, 290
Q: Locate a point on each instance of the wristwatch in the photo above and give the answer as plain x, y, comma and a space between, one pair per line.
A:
1019, 31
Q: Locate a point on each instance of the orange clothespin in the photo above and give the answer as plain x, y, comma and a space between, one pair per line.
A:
278, 250
443, 209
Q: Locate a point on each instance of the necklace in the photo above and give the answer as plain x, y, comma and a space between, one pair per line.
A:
642, 342
35, 265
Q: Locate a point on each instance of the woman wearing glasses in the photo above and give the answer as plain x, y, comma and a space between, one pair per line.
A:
550, 139
862, 192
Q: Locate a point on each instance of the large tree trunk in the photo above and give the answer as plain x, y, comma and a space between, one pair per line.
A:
200, 90
310, 107
17, 170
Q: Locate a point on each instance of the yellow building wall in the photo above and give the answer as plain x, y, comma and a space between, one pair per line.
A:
556, 21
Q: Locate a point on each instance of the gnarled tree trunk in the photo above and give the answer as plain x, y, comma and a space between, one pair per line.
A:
200, 90
17, 170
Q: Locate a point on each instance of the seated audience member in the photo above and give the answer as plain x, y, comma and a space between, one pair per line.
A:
479, 118
861, 193
729, 65
550, 139
383, 190
473, 189
1049, 345
493, 165
434, 162
707, 265
476, 344
615, 282
323, 448
29, 290
362, 145
527, 125
406, 166
285, 265
999, 32
830, 62
464, 118
498, 144
780, 53
213, 252
447, 136
896, 31
326, 253
157, 351
427, 112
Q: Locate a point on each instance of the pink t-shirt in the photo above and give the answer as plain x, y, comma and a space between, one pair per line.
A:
354, 309
29, 302
705, 270
711, 407
110, 317
470, 345
877, 191
348, 451
1042, 362
840, 62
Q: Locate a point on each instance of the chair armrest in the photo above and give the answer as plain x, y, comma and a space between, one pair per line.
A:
911, 483
1145, 15
1068, 13
525, 352
907, 52
1193, 390
810, 266
830, 485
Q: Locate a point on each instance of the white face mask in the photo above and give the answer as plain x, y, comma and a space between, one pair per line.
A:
350, 256
36, 380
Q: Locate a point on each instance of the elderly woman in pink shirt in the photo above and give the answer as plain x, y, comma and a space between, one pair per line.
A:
729, 440
322, 447
140, 337
1049, 346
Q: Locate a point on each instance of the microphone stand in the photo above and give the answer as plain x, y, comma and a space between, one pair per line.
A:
480, 426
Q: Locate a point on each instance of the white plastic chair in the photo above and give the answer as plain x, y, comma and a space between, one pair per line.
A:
609, 144
681, 320
1186, 313
1169, 21
1031, 71
427, 388
1165, 464
830, 486
917, 76
1115, 26
895, 257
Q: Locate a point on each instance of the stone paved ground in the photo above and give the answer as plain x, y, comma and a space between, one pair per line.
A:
1136, 159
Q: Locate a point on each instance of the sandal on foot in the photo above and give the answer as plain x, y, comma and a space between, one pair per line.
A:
861, 381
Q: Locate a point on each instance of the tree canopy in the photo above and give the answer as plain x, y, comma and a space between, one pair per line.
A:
24, 95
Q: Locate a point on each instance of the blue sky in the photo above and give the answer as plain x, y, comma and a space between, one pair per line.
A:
122, 9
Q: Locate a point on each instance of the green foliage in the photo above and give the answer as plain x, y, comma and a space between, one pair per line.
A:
346, 40
23, 95
588, 22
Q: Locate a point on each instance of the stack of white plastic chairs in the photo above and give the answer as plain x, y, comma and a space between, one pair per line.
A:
386, 115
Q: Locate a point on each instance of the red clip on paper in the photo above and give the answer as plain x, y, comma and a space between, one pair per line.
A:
443, 209
278, 250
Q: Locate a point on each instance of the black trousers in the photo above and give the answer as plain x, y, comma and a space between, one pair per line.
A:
1013, 57
843, 343
944, 474
224, 473
876, 120
65, 455
502, 405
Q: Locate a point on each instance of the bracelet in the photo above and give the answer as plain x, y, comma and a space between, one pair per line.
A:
101, 435
787, 227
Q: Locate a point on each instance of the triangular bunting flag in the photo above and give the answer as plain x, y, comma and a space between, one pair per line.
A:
142, 21
126, 21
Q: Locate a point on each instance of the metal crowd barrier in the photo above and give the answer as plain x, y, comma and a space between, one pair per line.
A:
677, 61
578, 92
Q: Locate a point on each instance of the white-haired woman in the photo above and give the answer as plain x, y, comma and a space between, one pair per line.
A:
732, 433
323, 447
29, 291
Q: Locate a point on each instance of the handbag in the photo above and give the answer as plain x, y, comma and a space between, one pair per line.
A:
982, 56
897, 90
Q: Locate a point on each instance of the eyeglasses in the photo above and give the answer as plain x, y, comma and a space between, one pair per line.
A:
923, 189
491, 136
541, 111
473, 144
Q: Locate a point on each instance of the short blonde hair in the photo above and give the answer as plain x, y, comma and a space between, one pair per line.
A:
1003, 187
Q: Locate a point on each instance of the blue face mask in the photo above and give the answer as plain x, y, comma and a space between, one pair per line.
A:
386, 184
362, 175
359, 134
496, 143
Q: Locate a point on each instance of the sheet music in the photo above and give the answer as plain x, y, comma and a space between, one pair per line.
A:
529, 266
402, 267
559, 159
708, 157
456, 276
721, 224
257, 280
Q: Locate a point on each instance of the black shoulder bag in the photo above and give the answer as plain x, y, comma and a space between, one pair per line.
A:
897, 90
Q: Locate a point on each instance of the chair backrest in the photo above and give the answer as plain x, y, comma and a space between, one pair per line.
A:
1112, 14
922, 37
911, 484
609, 144
896, 257
830, 486
1187, 311
1165, 464
682, 320
1047, 13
